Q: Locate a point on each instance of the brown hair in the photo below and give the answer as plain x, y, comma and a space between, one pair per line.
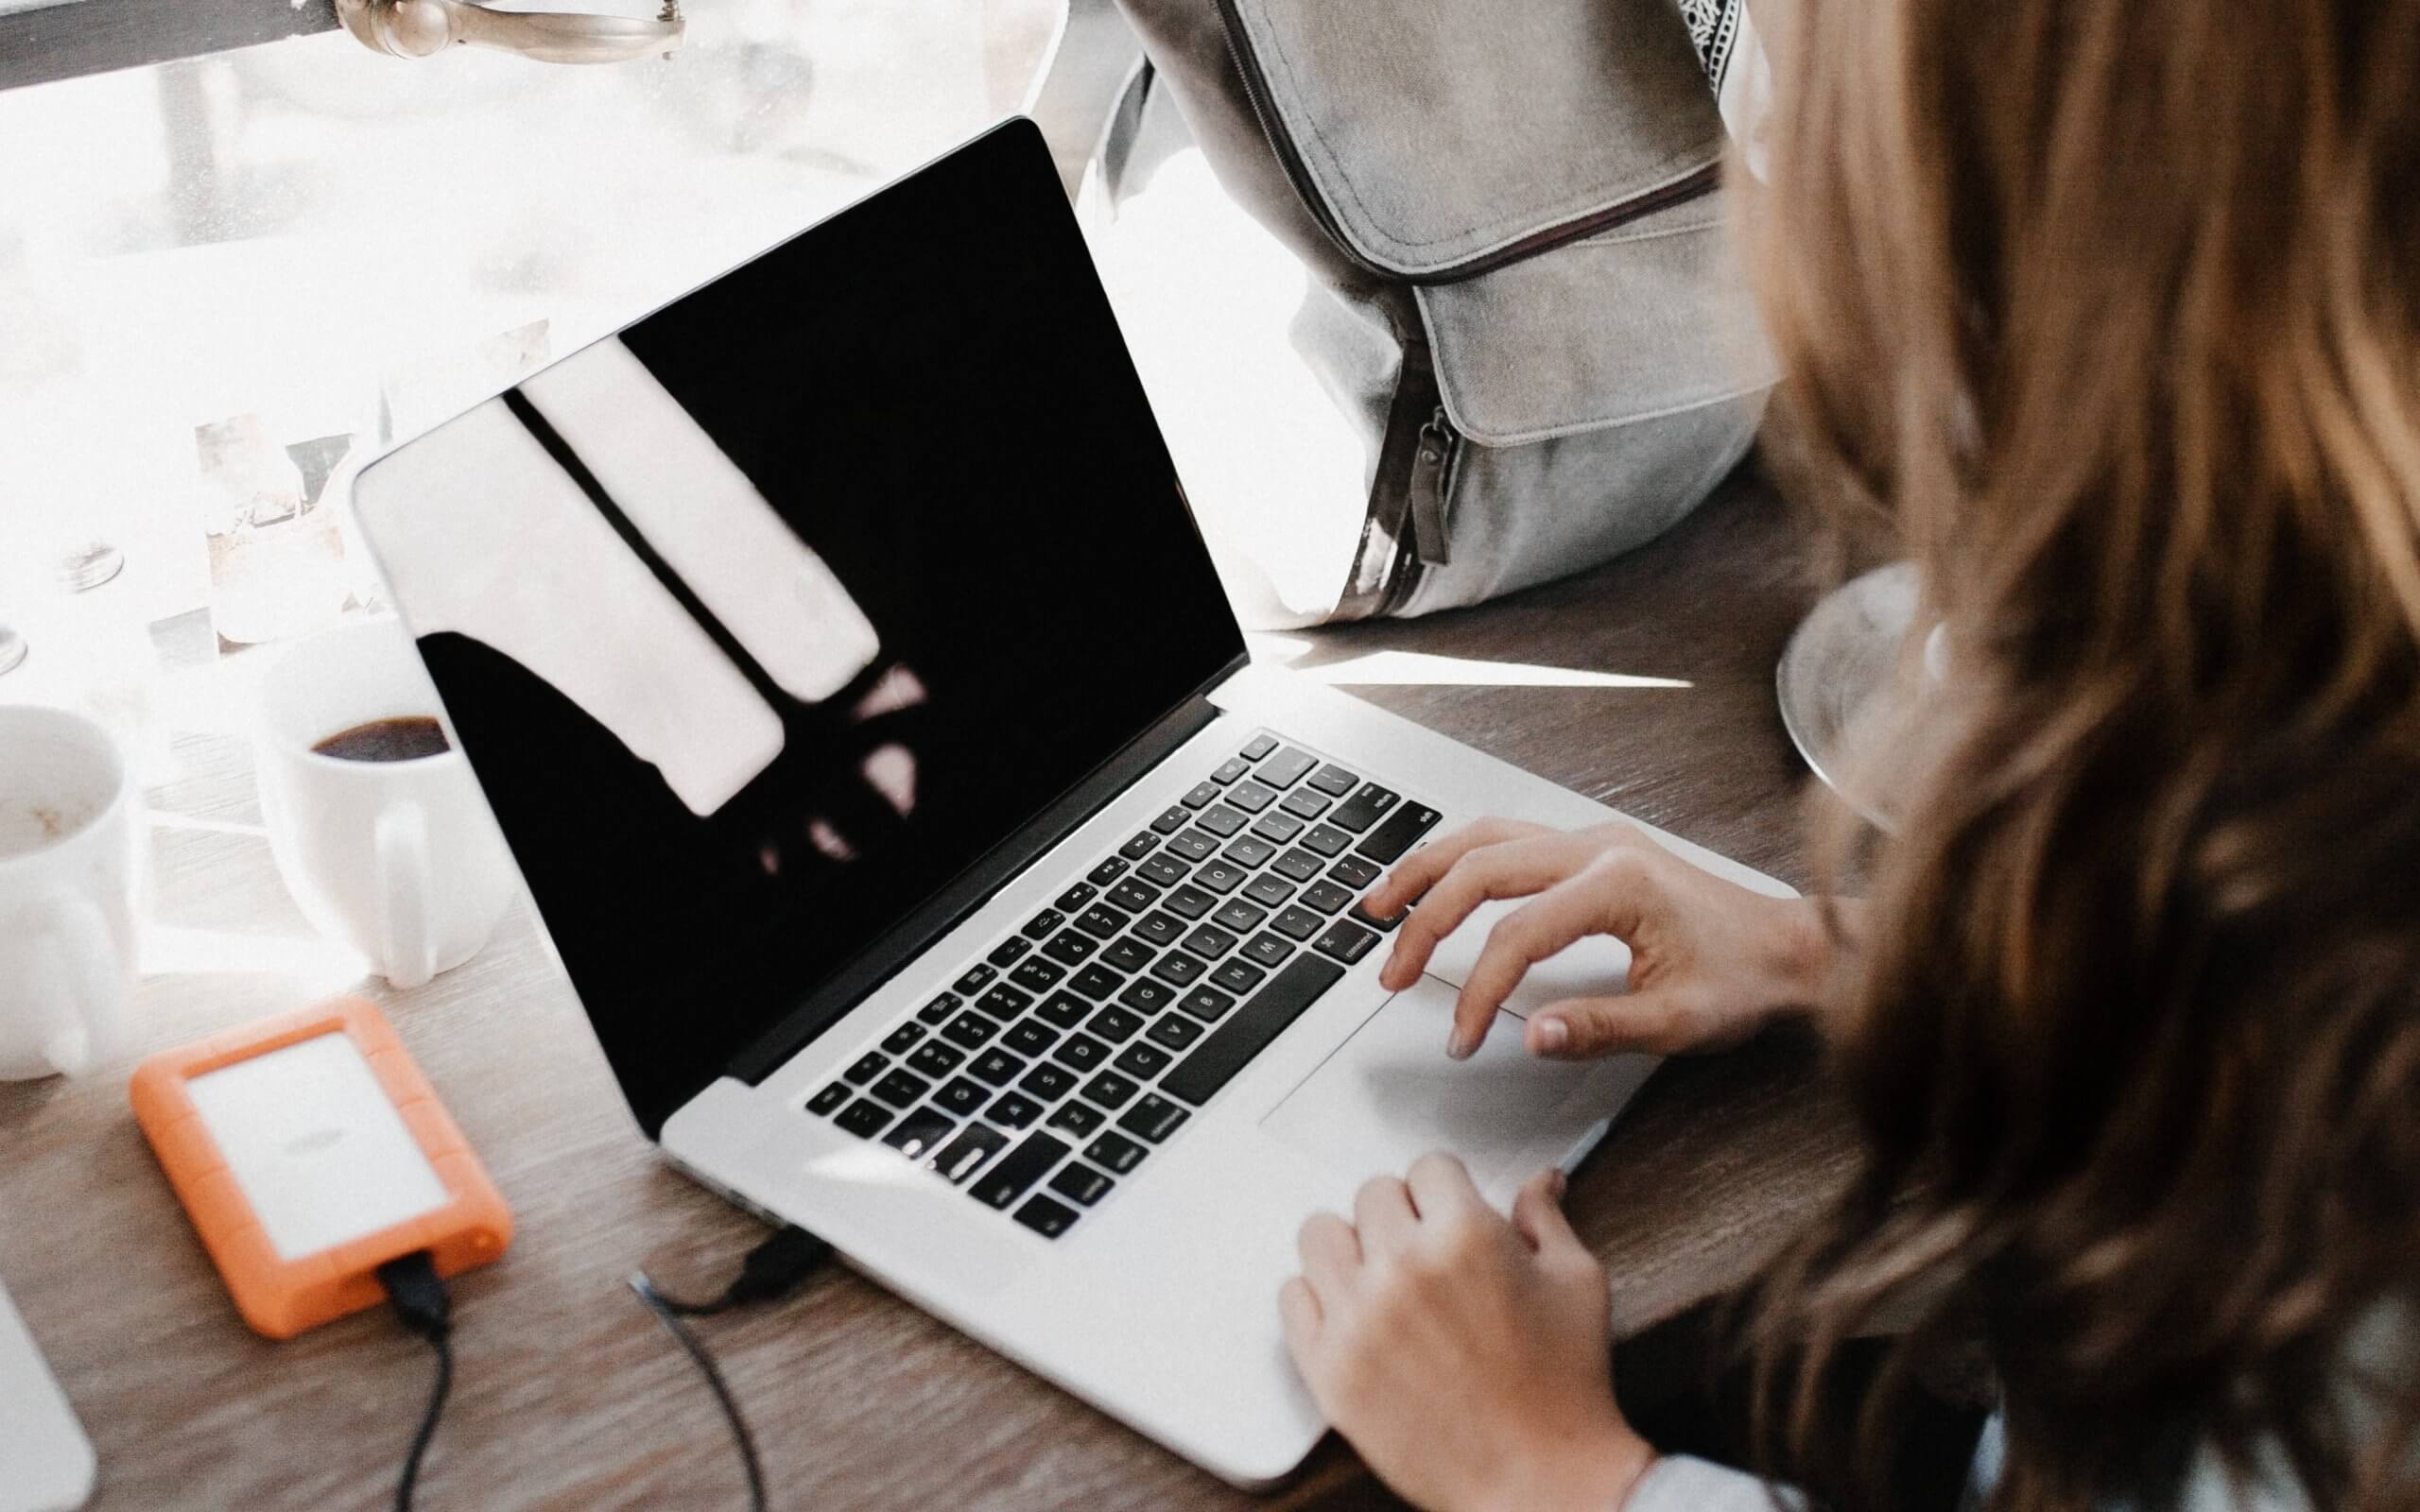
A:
2111, 312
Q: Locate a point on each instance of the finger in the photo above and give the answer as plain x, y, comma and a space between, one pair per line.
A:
1649, 1023
1520, 939
1442, 1188
1331, 1257
1417, 872
1383, 1216
1298, 1314
1512, 869
1537, 1215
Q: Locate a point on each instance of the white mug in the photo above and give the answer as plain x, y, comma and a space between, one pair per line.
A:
399, 859
69, 876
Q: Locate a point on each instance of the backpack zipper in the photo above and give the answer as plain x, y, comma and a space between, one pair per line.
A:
1431, 472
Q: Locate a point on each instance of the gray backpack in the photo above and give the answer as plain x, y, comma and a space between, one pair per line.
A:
1521, 291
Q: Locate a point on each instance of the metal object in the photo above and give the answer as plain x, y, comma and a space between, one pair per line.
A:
419, 28
1848, 690
12, 650
89, 565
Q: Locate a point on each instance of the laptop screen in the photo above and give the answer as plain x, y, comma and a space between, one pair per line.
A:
764, 619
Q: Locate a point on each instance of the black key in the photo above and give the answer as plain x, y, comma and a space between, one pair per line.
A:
1042, 923
1079, 1119
940, 1008
1171, 821
1030, 1039
977, 977
1270, 889
1267, 949
1299, 864
996, 1066
1037, 975
1189, 902
1177, 969
1141, 845
1203, 792
1134, 896
901, 1089
962, 1155
1146, 996
1025, 1165
1260, 746
1250, 851
1155, 1118
1110, 868
1298, 924
1327, 839
1194, 845
1064, 1009
1362, 809
1210, 943
869, 1066
1160, 929
1115, 1025
829, 1098
1165, 870
1004, 1001
1361, 914
936, 1060
1220, 877
1286, 768
1221, 821
864, 1119
1071, 947
1139, 1059
1048, 1082
1239, 975
1111, 1090
1103, 921
1080, 1051
1251, 797
960, 1096
1095, 982
1010, 951
1393, 838
1277, 826
1081, 1182
1117, 1152
1013, 1111
1334, 780
1047, 1218
1240, 917
1355, 873
1232, 768
1075, 897
1173, 1030
920, 1133
1127, 955
1326, 896
1306, 803
1207, 1004
1262, 1019
898, 1041
1345, 940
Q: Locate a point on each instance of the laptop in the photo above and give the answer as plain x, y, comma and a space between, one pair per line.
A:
938, 871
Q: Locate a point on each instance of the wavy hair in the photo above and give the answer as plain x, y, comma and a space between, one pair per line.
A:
2110, 313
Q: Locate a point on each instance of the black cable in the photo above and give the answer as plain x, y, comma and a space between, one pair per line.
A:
771, 1268
422, 1306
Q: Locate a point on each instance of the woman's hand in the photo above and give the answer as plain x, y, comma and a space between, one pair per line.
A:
1469, 1359
1711, 963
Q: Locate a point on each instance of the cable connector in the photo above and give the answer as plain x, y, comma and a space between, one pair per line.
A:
423, 1305
784, 1258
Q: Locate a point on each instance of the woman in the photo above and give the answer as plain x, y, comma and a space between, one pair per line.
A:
2113, 311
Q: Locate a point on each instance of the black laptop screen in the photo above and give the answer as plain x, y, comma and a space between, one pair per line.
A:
762, 620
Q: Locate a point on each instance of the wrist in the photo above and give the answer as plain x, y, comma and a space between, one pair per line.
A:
1807, 950
1595, 1473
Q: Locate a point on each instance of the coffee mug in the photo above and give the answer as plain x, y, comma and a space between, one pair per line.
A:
70, 872
378, 827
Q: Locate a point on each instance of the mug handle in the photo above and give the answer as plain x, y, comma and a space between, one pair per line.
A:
92, 999
402, 842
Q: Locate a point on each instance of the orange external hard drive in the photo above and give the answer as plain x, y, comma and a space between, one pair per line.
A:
310, 1150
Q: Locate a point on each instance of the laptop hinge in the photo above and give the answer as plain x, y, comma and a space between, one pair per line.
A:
900, 946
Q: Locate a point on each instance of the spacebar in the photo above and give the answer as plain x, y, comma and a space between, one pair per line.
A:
1198, 1076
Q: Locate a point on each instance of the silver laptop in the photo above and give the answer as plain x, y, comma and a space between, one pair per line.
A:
939, 872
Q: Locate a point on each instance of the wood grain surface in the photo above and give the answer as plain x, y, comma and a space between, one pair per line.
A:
567, 1396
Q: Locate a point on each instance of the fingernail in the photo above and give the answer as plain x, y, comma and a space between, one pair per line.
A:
1459, 1046
1554, 1037
1557, 1185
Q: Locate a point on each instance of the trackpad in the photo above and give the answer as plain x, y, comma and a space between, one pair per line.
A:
1389, 1094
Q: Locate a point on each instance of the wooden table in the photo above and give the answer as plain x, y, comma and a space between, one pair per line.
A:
568, 1397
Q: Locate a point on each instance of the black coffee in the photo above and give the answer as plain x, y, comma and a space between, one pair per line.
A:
386, 740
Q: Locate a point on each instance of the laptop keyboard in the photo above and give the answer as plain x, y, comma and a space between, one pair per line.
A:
1074, 1048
